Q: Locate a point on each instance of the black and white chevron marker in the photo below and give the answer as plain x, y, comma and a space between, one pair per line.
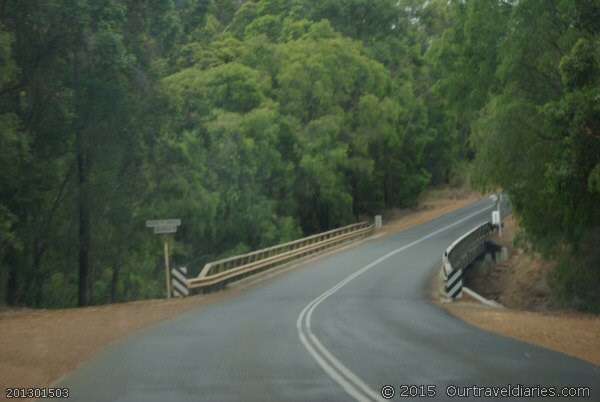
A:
454, 284
453, 280
179, 282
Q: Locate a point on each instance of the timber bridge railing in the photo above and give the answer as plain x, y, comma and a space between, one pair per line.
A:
216, 275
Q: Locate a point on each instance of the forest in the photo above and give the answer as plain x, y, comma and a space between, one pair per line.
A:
258, 122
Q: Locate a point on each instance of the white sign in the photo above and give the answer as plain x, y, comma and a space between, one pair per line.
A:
163, 222
165, 229
496, 218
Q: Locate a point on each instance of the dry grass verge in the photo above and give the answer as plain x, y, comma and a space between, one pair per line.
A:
39, 346
520, 283
571, 333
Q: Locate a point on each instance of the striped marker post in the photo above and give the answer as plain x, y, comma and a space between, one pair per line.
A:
453, 280
454, 284
179, 282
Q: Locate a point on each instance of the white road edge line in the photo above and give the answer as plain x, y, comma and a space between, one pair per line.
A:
335, 369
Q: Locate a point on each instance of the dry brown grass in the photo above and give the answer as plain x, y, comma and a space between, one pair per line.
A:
520, 282
39, 346
574, 334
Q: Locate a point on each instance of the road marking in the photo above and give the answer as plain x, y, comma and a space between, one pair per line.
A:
332, 366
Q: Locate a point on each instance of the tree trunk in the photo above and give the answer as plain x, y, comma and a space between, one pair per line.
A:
114, 282
82, 158
387, 199
355, 197
84, 220
38, 252
11, 283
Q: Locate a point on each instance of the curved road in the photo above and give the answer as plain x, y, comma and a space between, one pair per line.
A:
335, 329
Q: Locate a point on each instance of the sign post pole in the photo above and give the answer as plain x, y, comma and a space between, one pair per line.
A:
167, 269
165, 227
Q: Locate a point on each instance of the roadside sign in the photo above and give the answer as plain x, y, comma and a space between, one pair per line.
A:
163, 222
162, 227
165, 229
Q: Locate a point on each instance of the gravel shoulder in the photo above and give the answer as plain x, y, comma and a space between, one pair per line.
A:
574, 334
38, 347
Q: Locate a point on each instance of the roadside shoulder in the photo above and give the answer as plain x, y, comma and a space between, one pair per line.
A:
528, 314
574, 334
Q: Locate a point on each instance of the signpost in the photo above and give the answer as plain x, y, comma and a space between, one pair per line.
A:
165, 227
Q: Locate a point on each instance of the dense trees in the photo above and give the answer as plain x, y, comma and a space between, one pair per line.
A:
258, 121
533, 113
74, 114
254, 122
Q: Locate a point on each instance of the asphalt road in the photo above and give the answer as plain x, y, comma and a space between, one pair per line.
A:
335, 329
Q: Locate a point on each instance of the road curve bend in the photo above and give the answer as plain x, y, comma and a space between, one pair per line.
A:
335, 329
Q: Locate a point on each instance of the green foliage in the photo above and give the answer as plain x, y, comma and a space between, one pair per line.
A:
8, 67
575, 280
580, 65
258, 122
58, 291
232, 86
594, 180
269, 25
535, 128
360, 19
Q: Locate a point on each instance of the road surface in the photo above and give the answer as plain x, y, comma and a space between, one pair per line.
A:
335, 329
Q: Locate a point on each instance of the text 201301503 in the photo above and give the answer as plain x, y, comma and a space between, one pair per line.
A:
36, 392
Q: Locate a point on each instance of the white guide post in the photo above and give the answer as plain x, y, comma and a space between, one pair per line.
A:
378, 222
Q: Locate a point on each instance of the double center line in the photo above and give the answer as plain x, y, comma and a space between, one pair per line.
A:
332, 366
